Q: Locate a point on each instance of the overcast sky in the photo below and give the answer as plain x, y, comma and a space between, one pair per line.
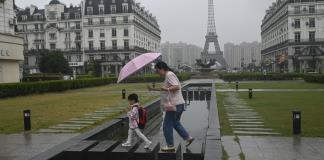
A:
186, 20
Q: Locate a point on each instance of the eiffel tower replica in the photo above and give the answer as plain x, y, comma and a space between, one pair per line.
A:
209, 59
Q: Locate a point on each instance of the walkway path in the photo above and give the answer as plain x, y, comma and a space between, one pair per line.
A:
275, 148
243, 119
25, 146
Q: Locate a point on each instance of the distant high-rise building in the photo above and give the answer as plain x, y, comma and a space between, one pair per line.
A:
293, 36
242, 55
11, 45
176, 54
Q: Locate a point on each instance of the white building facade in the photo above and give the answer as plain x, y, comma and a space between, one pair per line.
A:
11, 45
55, 28
242, 55
116, 31
293, 36
178, 54
110, 32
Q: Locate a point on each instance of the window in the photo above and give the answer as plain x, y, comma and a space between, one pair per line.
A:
91, 57
297, 23
52, 46
68, 58
52, 36
297, 37
67, 25
113, 20
90, 22
125, 8
102, 33
312, 22
312, 9
297, 51
126, 44
90, 34
101, 10
312, 36
89, 10
79, 58
125, 19
24, 18
90, 45
114, 44
36, 27
297, 9
125, 32
77, 25
102, 20
114, 32
78, 46
78, 36
113, 9
66, 15
102, 45
77, 16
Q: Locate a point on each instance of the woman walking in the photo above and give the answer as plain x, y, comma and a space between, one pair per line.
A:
174, 105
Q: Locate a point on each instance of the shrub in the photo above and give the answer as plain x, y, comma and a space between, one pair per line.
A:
42, 77
318, 78
27, 88
259, 76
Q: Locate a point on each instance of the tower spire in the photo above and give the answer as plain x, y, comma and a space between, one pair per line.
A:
211, 28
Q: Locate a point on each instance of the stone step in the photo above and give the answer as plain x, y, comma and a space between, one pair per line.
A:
246, 119
255, 133
66, 128
55, 131
81, 122
72, 125
247, 125
247, 122
252, 129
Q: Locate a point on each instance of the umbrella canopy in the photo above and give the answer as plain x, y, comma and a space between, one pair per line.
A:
137, 64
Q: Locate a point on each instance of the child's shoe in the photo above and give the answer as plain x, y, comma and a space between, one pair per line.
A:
127, 144
147, 144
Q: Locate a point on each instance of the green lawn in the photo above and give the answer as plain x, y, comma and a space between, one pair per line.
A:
224, 122
271, 85
53, 108
276, 109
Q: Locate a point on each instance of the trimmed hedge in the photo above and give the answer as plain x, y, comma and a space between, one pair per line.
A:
259, 76
42, 77
316, 78
28, 88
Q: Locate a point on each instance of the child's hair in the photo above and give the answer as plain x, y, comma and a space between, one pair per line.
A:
133, 97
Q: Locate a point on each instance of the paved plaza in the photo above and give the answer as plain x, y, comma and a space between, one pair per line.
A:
274, 148
25, 146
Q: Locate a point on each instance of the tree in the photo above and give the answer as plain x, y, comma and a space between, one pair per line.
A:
94, 68
54, 62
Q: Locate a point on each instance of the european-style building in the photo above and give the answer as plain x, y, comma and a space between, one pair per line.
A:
111, 32
11, 45
293, 36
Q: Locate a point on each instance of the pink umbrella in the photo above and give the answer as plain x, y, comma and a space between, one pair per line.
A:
137, 64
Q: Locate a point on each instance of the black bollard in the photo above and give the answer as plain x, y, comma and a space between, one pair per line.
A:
124, 93
27, 120
250, 93
237, 85
296, 122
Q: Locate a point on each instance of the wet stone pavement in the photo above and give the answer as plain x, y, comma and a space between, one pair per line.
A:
25, 146
275, 148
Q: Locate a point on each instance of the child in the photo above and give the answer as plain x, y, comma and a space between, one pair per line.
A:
133, 122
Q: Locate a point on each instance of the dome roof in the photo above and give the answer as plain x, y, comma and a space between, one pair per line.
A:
55, 2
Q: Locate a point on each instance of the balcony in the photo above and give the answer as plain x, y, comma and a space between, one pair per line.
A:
307, 41
39, 41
